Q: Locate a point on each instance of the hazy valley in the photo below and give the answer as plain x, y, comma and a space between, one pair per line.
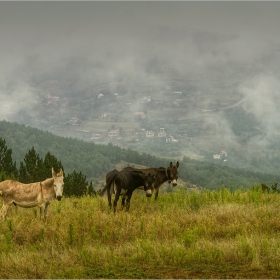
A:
201, 117
172, 83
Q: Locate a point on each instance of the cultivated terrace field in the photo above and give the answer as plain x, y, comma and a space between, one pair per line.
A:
211, 234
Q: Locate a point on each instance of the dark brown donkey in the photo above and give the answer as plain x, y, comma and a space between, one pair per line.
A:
161, 174
124, 183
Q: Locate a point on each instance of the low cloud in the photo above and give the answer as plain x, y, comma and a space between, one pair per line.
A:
263, 99
83, 45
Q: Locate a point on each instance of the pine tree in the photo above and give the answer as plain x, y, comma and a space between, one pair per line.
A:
75, 184
3, 176
7, 165
32, 169
90, 190
49, 162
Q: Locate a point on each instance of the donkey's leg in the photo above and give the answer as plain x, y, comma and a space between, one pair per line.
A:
156, 193
129, 194
41, 211
110, 192
116, 200
46, 210
123, 201
109, 198
4, 210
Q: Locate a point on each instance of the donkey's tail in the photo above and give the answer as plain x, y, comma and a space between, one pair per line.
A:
109, 180
103, 190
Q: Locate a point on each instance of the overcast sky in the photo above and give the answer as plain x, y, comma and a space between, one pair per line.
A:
38, 38
61, 29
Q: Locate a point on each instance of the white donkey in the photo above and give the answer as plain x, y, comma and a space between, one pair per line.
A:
30, 195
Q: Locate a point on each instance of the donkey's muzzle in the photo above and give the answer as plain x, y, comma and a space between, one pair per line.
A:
149, 193
59, 197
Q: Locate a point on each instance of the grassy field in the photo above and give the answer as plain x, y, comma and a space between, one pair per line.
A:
212, 234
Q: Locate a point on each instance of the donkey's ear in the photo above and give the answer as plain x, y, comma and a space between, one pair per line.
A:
53, 173
61, 172
177, 165
171, 164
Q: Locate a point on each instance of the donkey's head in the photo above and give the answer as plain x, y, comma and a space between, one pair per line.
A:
58, 183
149, 181
172, 172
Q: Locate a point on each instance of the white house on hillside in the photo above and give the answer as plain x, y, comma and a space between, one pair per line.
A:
150, 134
162, 133
146, 99
221, 155
113, 133
171, 139
217, 156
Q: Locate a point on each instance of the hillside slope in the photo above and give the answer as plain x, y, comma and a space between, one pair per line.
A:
95, 160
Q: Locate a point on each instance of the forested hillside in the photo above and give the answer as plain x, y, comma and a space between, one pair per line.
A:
95, 160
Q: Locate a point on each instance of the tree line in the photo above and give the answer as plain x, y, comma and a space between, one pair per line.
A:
95, 160
33, 168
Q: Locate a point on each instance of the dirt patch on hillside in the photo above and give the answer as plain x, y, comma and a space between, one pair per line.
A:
122, 164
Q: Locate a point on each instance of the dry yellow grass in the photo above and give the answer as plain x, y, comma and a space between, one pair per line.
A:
181, 235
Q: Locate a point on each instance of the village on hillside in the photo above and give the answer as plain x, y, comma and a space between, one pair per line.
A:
181, 120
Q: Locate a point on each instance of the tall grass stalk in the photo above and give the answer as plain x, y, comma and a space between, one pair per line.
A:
211, 234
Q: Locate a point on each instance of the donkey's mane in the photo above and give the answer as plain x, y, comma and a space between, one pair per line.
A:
161, 168
49, 182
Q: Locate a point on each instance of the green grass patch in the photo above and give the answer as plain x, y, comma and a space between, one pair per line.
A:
211, 234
